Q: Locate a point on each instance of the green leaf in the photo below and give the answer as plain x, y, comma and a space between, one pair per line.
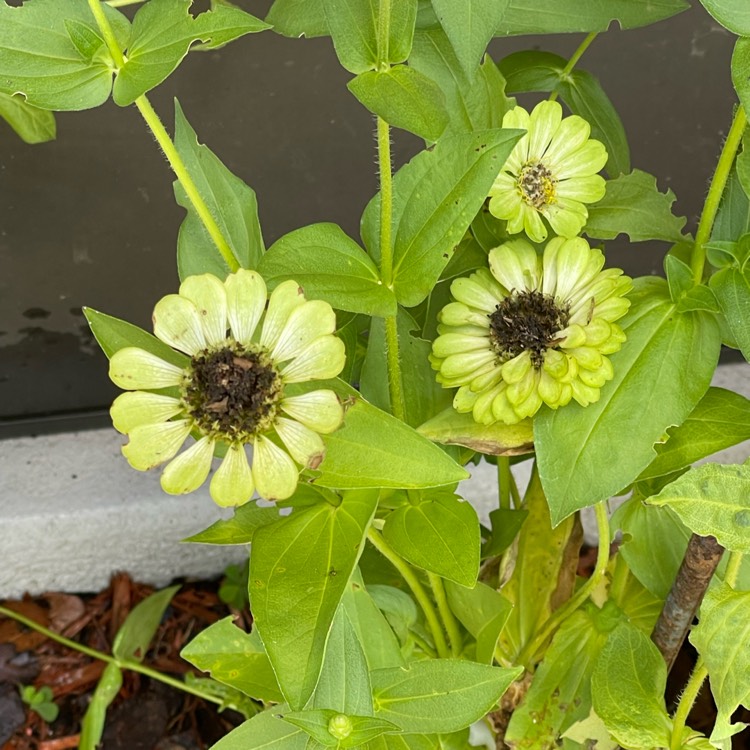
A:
731, 14
423, 395
234, 658
733, 217
720, 420
483, 612
628, 689
439, 695
31, 124
296, 18
676, 355
741, 64
714, 500
654, 543
634, 206
398, 608
374, 449
722, 638
316, 722
39, 59
106, 691
231, 202
435, 197
698, 297
240, 528
113, 334
560, 693
163, 32
679, 275
438, 532
533, 70
742, 164
505, 523
299, 569
472, 105
469, 27
451, 428
331, 266
264, 732
404, 98
732, 290
133, 638
564, 16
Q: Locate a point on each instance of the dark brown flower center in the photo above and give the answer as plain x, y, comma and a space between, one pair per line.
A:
537, 185
232, 393
526, 321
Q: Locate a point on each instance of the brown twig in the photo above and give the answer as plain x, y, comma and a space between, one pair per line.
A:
701, 559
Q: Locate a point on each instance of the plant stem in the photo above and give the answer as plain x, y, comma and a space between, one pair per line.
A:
384, 30
122, 3
580, 596
576, 56
715, 193
620, 577
167, 146
504, 480
687, 699
133, 666
451, 625
377, 541
733, 568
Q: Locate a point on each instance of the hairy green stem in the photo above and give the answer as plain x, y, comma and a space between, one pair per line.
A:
451, 624
166, 144
576, 56
579, 597
377, 541
715, 192
687, 699
504, 480
133, 666
384, 31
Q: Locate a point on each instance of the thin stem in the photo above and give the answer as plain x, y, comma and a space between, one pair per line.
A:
734, 563
504, 481
122, 3
169, 149
620, 577
393, 362
687, 699
576, 56
580, 596
449, 620
386, 202
133, 666
377, 541
715, 192
384, 30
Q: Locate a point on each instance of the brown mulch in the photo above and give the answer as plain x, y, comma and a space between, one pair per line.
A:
146, 715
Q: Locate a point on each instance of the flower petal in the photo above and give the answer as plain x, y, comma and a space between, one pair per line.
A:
286, 297
137, 408
505, 202
566, 217
516, 265
307, 447
322, 358
246, 300
589, 189
207, 293
544, 121
571, 135
533, 225
305, 323
319, 410
189, 470
153, 444
232, 484
274, 472
473, 294
466, 364
455, 343
133, 369
177, 322
589, 159
458, 314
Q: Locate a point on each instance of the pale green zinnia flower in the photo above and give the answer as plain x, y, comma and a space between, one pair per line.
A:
231, 388
551, 173
531, 330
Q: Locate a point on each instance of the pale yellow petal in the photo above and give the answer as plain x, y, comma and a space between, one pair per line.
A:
246, 300
232, 484
177, 322
153, 444
305, 446
137, 408
134, 369
286, 297
274, 472
323, 358
207, 293
305, 323
516, 265
319, 410
189, 470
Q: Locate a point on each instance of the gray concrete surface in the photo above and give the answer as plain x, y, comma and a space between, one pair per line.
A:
72, 512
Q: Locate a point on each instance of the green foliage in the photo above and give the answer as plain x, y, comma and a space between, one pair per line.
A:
231, 202
133, 638
41, 701
92, 725
358, 729
240, 528
732, 14
733, 218
31, 124
676, 354
732, 289
264, 732
741, 66
233, 587
297, 18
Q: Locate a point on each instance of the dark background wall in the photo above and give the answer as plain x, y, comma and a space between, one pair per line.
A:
90, 219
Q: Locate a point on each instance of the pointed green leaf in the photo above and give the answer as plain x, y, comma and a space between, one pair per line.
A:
731, 14
741, 63
733, 218
439, 695
722, 638
565, 16
634, 206
720, 420
240, 528
331, 266
296, 18
136, 633
31, 124
39, 59
234, 658
628, 689
264, 732
676, 355
92, 726
712, 500
231, 202
299, 569
374, 449
163, 32
506, 523
732, 290
404, 98
360, 729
